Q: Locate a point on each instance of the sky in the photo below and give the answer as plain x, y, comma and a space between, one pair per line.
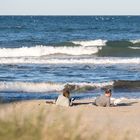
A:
69, 7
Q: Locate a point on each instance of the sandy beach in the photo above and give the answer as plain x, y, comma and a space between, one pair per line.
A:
121, 122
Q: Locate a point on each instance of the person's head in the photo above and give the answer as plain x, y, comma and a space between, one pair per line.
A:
108, 93
66, 92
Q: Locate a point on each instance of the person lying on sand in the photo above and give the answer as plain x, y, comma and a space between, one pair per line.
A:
104, 100
64, 99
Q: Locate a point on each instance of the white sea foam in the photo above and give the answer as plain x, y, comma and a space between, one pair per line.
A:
43, 87
38, 51
97, 42
135, 41
99, 85
135, 48
99, 60
116, 101
30, 86
120, 100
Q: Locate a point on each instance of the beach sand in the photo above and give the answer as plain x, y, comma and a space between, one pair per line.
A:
121, 122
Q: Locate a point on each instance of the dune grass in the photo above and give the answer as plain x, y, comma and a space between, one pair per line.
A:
52, 124
16, 124
15, 129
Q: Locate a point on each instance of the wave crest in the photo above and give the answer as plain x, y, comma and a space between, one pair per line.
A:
127, 84
30, 86
47, 87
38, 51
98, 42
135, 41
135, 48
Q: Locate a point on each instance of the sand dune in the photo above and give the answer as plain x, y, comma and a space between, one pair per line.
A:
88, 119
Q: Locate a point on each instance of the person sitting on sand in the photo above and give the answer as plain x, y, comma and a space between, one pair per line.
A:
104, 100
64, 99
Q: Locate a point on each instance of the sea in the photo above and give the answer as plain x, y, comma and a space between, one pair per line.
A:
40, 55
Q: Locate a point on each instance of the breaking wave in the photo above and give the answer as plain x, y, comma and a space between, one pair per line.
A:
135, 48
38, 51
97, 60
99, 47
46, 87
123, 43
127, 84
97, 42
30, 87
135, 41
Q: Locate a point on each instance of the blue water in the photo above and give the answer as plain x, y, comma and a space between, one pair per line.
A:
34, 30
39, 55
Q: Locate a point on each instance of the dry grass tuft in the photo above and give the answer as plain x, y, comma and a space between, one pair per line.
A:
22, 123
